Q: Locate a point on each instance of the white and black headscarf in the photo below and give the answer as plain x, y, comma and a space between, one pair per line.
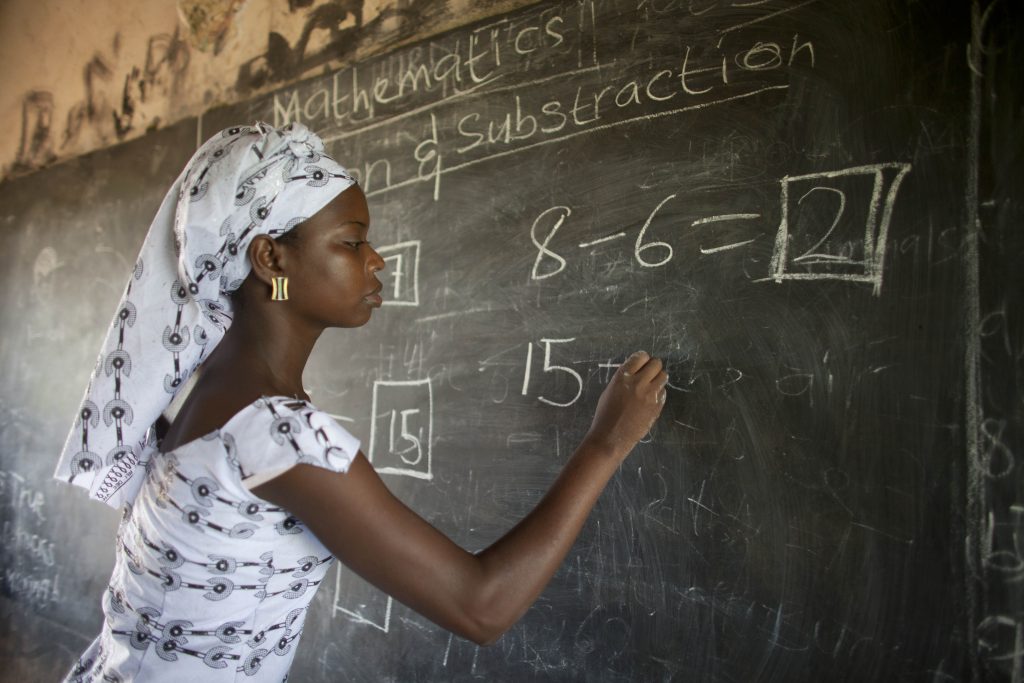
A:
243, 182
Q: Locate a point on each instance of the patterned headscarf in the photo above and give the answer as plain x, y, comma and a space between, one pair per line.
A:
243, 182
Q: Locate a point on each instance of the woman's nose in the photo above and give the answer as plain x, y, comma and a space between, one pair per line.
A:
376, 263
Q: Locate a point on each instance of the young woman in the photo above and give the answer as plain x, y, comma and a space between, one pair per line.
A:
233, 516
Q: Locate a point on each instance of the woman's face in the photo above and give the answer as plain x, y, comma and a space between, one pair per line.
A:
333, 281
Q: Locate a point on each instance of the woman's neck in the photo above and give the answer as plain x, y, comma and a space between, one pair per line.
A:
264, 351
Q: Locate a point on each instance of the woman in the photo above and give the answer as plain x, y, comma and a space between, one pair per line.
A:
232, 516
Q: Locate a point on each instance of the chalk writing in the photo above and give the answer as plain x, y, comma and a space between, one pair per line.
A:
649, 253
549, 367
428, 155
835, 241
559, 375
444, 69
997, 458
1001, 639
639, 247
403, 271
30, 572
21, 495
1008, 563
558, 214
402, 445
41, 591
843, 244
37, 548
475, 96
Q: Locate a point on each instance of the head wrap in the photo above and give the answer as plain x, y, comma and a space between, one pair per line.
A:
244, 181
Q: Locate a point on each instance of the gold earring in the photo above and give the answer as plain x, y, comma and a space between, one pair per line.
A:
280, 288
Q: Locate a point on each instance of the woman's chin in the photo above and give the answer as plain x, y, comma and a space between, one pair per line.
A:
355, 320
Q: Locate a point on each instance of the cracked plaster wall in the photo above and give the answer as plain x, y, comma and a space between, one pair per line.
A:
80, 75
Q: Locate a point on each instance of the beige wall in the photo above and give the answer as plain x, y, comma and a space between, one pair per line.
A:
78, 75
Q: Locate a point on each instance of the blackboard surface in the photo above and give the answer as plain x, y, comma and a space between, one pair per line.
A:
780, 199
69, 234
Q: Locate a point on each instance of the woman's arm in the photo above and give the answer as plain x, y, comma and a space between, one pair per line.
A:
476, 596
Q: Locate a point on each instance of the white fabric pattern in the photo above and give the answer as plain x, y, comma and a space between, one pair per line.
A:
210, 582
243, 182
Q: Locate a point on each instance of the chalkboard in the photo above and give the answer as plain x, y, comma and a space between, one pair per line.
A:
70, 233
782, 200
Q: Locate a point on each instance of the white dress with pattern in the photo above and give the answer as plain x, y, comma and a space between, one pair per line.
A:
210, 582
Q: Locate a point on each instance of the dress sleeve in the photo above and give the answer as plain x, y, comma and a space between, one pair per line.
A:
281, 433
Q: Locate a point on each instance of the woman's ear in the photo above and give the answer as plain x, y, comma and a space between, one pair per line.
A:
266, 258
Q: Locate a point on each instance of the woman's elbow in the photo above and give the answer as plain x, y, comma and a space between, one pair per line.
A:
483, 633
483, 637
485, 621
490, 640
488, 607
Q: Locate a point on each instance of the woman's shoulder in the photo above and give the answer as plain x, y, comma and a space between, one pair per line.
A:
284, 409
273, 417
274, 432
202, 417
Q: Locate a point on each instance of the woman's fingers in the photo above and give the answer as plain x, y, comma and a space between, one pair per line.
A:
634, 363
649, 371
647, 374
661, 381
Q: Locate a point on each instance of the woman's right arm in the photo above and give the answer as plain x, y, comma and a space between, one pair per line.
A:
476, 596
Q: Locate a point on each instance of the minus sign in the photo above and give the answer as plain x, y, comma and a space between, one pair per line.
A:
609, 238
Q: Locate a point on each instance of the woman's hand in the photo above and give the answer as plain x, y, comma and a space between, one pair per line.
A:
629, 405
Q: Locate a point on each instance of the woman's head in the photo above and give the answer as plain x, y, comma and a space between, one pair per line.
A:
246, 183
242, 184
329, 262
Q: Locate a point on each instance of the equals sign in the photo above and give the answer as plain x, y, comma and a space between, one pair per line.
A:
720, 219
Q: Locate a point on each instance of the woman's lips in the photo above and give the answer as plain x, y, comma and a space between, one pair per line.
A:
374, 297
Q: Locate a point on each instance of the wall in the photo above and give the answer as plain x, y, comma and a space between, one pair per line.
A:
80, 75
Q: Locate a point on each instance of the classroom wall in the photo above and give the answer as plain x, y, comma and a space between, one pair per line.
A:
80, 75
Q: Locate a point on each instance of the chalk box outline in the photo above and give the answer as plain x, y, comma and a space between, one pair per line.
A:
403, 471
396, 252
876, 229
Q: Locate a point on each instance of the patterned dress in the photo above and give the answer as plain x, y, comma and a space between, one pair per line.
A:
210, 582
